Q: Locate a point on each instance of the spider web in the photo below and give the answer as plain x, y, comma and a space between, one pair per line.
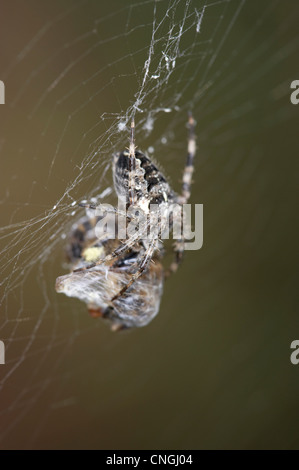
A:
74, 79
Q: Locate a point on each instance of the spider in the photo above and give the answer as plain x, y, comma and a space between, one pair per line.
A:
138, 180
135, 263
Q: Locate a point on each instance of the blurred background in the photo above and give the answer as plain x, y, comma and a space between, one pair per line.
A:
213, 370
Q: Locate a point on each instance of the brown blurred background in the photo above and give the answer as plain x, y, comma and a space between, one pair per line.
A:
213, 369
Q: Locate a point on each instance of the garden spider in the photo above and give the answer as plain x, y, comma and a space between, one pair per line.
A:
142, 185
122, 279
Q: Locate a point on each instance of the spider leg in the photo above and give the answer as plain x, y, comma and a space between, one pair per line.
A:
132, 166
189, 168
178, 258
87, 206
143, 265
186, 192
107, 210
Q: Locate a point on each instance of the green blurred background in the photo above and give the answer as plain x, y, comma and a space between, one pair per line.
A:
213, 369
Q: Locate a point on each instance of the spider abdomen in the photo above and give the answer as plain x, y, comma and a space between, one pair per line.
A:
150, 183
